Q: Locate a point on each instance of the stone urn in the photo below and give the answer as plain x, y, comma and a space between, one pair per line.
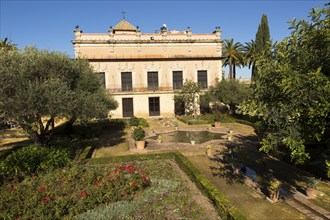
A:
209, 152
140, 145
310, 192
192, 142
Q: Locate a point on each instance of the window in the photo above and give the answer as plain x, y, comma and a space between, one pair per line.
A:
152, 80
126, 81
154, 108
177, 80
128, 107
101, 76
202, 78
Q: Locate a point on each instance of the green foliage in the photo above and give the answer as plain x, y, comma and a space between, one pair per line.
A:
34, 159
70, 191
138, 134
39, 87
292, 89
133, 121
143, 123
274, 185
327, 163
189, 95
231, 92
262, 35
232, 55
6, 45
311, 182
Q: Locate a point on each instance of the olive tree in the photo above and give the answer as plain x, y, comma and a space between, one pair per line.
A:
189, 96
38, 87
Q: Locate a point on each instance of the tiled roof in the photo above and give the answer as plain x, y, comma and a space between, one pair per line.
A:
124, 26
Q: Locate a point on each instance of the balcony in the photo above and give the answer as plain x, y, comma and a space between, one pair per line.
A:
140, 90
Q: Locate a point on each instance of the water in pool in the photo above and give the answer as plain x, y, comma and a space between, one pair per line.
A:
187, 136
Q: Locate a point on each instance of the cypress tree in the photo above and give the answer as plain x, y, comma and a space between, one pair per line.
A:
262, 39
263, 35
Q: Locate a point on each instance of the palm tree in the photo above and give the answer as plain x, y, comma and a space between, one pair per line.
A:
7, 45
232, 56
250, 56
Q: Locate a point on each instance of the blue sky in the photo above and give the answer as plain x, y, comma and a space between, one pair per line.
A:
50, 24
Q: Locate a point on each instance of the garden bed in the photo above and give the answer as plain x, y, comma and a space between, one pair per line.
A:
142, 189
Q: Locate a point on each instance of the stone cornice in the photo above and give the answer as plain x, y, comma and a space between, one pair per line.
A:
137, 59
145, 41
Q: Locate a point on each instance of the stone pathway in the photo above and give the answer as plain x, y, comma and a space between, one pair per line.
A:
300, 202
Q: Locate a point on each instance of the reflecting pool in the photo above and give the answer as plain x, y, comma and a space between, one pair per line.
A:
187, 136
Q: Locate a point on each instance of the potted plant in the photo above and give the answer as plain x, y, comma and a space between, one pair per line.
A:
217, 118
274, 190
138, 135
310, 188
159, 139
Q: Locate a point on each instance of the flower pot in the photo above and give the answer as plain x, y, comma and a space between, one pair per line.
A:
176, 128
273, 195
230, 137
217, 124
159, 141
310, 192
192, 142
140, 145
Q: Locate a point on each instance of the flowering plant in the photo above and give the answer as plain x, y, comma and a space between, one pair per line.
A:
69, 191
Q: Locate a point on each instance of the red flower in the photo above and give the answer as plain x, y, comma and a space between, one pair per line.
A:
12, 189
145, 180
133, 184
83, 193
44, 200
42, 188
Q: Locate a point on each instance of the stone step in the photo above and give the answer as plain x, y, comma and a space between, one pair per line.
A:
303, 199
303, 209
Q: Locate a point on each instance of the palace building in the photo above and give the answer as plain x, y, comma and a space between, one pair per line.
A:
144, 70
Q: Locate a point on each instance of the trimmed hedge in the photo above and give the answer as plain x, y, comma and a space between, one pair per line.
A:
222, 205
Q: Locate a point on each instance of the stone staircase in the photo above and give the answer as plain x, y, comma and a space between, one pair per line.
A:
300, 202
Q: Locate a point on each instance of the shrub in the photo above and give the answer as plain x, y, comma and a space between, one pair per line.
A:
311, 182
134, 121
143, 123
34, 159
138, 134
217, 117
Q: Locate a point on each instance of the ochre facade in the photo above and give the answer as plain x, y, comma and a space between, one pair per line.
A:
143, 70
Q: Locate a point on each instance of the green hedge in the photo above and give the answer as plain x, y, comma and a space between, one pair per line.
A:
222, 205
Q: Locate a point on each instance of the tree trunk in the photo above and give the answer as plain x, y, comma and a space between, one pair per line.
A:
230, 71
234, 71
69, 126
